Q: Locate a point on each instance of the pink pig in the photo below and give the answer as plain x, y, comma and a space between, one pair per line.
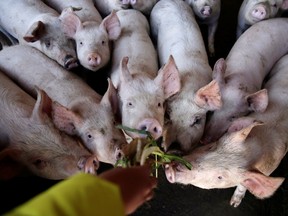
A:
242, 158
241, 75
81, 21
34, 23
80, 110
31, 138
177, 33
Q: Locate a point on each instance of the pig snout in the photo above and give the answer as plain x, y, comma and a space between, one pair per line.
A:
94, 59
70, 62
89, 164
119, 154
206, 11
170, 173
152, 126
259, 12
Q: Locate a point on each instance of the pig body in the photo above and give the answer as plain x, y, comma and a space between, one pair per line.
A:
85, 114
145, 6
34, 23
105, 7
207, 13
141, 89
253, 11
91, 33
241, 160
32, 139
241, 77
177, 33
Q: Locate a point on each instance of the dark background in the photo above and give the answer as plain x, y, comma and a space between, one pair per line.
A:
173, 199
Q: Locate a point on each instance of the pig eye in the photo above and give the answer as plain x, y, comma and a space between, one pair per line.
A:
81, 43
39, 164
89, 136
47, 43
197, 120
103, 42
220, 177
159, 105
130, 104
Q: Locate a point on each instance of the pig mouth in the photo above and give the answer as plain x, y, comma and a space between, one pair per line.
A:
70, 62
89, 164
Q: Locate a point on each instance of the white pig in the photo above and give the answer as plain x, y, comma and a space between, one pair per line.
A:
134, 73
80, 111
91, 33
177, 33
237, 159
253, 11
208, 13
33, 140
105, 7
34, 23
242, 73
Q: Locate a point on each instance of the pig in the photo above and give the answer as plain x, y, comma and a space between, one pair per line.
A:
33, 23
105, 7
253, 11
82, 22
242, 73
31, 138
246, 155
141, 88
80, 111
207, 12
177, 33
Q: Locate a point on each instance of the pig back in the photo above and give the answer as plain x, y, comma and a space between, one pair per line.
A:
38, 69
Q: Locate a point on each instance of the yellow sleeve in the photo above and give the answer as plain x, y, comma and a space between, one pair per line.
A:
80, 195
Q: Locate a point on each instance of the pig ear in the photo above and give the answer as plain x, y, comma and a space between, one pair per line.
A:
65, 119
169, 78
258, 101
219, 71
112, 25
42, 107
35, 32
110, 97
240, 123
209, 96
9, 167
125, 75
70, 22
234, 139
260, 185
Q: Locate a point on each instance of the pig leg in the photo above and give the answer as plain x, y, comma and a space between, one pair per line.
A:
238, 195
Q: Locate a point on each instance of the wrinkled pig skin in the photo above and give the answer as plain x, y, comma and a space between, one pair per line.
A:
207, 13
81, 21
241, 75
33, 140
141, 88
177, 33
80, 110
39, 26
242, 158
253, 11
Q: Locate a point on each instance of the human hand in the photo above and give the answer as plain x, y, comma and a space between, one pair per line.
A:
135, 183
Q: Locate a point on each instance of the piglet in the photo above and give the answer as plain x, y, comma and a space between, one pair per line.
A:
253, 11
241, 75
81, 21
207, 13
29, 136
246, 155
141, 88
177, 33
80, 110
34, 23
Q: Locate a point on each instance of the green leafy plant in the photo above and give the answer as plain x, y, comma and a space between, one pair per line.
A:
141, 150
